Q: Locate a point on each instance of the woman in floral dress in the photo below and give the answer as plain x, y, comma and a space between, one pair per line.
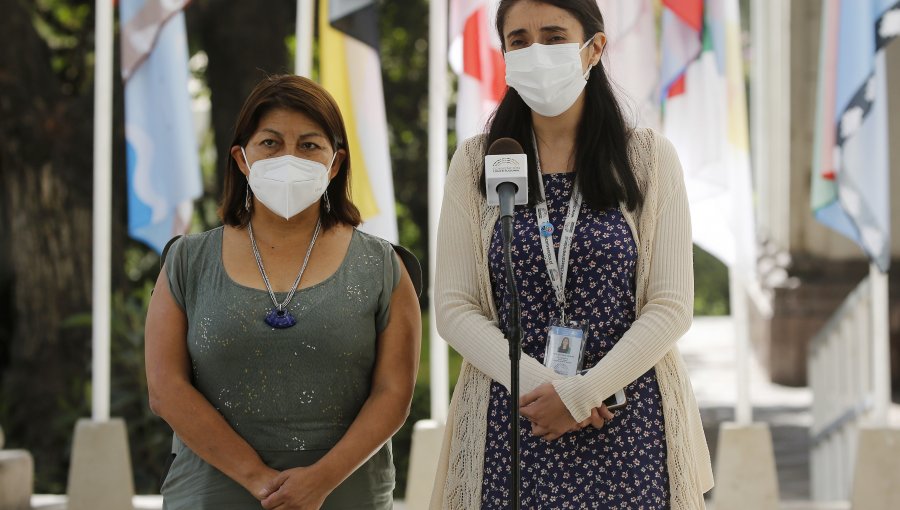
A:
613, 197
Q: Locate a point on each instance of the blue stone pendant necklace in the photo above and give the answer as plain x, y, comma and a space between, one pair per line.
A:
280, 317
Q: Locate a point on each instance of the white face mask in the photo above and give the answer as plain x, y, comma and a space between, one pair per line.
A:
547, 77
288, 184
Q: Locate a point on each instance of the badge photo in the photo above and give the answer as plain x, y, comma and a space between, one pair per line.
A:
565, 349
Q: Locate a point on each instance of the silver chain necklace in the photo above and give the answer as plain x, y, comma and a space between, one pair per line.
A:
280, 317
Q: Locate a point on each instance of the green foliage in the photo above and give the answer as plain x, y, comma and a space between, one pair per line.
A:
710, 284
70, 405
402, 440
421, 406
410, 233
63, 24
404, 61
148, 436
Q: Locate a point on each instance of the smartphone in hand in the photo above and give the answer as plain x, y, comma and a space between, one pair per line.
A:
616, 401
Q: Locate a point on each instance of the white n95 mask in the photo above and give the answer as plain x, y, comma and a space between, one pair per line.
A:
288, 184
547, 77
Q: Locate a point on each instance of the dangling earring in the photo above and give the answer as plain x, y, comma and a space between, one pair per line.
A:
247, 198
327, 203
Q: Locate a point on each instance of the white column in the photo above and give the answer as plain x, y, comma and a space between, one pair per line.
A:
881, 347
102, 221
306, 14
758, 102
743, 408
770, 117
437, 169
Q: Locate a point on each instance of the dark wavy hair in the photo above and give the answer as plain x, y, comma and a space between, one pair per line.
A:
309, 98
604, 171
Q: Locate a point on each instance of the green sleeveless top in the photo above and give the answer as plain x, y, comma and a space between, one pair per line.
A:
283, 390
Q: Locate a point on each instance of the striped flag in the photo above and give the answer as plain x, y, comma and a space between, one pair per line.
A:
350, 69
705, 116
161, 145
631, 58
475, 57
850, 180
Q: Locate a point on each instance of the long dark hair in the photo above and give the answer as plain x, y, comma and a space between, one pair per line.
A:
605, 175
309, 98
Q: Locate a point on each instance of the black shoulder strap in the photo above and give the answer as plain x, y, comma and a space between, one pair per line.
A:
162, 258
411, 262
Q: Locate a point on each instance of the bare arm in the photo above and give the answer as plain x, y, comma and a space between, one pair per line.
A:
173, 398
381, 416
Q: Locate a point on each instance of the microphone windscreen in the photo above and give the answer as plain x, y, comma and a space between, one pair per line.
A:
506, 162
505, 146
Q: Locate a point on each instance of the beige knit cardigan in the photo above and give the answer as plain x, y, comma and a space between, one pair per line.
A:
467, 320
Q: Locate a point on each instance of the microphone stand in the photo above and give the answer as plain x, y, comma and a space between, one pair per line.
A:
509, 172
514, 337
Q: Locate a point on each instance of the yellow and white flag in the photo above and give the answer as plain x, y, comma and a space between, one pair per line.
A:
350, 69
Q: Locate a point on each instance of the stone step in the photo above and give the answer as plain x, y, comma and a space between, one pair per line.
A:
16, 479
58, 502
812, 505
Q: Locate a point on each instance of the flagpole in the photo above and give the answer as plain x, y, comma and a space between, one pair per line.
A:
437, 169
881, 351
304, 28
743, 409
102, 220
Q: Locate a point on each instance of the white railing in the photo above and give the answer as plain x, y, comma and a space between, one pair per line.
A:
841, 364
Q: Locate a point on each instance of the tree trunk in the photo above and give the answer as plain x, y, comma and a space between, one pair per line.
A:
244, 43
45, 202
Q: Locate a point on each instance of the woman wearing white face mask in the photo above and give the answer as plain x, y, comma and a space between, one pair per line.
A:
282, 348
621, 286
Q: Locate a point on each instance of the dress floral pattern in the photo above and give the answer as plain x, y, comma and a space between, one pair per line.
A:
622, 465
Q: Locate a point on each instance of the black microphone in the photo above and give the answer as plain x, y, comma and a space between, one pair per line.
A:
506, 175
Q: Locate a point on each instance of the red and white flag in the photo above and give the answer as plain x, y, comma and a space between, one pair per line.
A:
477, 60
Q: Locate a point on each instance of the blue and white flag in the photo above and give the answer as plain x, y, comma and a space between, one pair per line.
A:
163, 162
851, 169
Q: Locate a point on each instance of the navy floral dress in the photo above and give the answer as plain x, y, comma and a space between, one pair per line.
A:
622, 465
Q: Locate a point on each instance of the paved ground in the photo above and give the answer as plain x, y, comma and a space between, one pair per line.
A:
708, 349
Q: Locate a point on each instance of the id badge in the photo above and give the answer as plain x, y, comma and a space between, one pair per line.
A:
564, 353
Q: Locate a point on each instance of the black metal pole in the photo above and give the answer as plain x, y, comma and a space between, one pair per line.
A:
514, 337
